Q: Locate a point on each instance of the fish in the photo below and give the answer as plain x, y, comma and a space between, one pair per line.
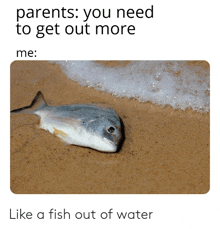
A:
87, 125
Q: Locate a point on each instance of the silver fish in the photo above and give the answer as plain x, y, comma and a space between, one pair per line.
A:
85, 125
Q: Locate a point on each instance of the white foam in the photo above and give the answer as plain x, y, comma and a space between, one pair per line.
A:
175, 83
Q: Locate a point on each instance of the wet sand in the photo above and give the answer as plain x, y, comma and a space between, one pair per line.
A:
165, 150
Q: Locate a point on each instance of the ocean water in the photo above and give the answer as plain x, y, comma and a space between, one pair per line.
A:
180, 84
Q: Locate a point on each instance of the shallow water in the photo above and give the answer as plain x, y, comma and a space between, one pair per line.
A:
180, 84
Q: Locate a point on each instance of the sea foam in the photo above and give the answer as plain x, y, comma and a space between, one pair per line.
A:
180, 84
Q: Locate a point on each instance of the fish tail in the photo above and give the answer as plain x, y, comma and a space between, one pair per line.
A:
37, 104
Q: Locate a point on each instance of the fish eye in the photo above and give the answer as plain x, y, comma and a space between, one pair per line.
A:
111, 129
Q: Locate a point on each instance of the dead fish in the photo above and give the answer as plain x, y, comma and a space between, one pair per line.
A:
85, 125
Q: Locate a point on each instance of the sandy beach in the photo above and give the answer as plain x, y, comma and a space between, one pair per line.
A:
165, 151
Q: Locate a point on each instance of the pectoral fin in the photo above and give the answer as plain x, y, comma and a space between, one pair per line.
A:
59, 132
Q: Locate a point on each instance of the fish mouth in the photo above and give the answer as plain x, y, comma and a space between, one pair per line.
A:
109, 146
114, 145
113, 148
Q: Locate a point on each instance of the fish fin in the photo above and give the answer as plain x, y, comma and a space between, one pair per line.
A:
37, 104
59, 132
